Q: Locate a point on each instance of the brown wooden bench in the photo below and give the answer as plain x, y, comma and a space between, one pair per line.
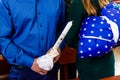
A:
68, 55
4, 68
112, 78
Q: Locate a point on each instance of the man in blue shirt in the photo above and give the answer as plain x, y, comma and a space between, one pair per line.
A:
28, 29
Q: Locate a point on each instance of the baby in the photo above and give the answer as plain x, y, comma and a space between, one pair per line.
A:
100, 33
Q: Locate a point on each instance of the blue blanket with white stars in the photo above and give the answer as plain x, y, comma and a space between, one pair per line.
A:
99, 34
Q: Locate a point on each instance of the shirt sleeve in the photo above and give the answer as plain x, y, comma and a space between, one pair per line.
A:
12, 53
76, 14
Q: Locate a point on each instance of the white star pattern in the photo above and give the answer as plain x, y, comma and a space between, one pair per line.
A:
89, 49
86, 23
93, 25
115, 20
109, 35
102, 22
88, 18
81, 43
118, 12
108, 11
98, 52
85, 29
89, 40
90, 54
82, 56
97, 45
106, 46
112, 14
83, 35
81, 51
94, 19
92, 32
101, 30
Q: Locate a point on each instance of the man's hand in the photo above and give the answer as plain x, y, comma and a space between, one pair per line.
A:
45, 63
37, 69
57, 57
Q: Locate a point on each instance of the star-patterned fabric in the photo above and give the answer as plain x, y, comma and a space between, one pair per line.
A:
100, 33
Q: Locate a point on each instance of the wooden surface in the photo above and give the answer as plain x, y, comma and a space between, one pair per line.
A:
4, 66
68, 55
1, 58
4, 77
117, 1
112, 78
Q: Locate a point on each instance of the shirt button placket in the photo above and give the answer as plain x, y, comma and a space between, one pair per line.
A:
42, 38
38, 13
40, 25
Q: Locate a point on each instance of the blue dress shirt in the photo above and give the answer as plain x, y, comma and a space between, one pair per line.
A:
28, 28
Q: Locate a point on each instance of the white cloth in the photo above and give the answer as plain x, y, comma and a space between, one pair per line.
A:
46, 61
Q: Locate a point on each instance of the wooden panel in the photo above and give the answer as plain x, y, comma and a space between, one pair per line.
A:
117, 1
112, 78
68, 55
4, 66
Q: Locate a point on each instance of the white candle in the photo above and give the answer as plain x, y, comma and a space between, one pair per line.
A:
63, 34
